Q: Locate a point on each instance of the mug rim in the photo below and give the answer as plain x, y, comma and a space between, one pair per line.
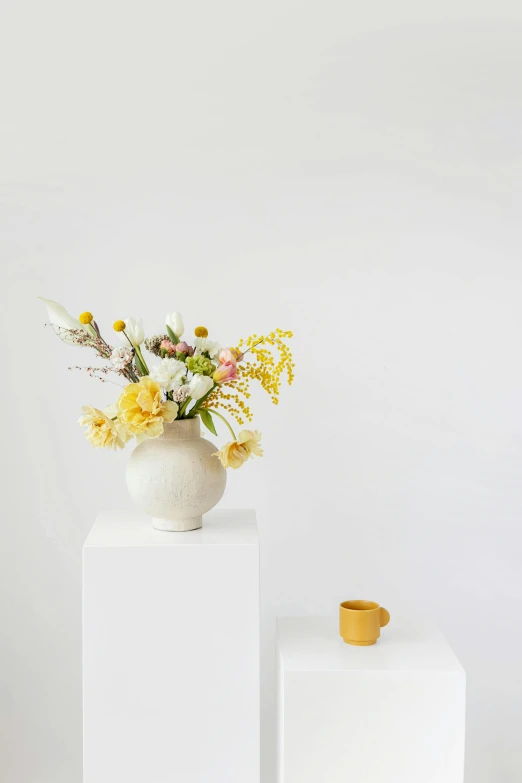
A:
371, 606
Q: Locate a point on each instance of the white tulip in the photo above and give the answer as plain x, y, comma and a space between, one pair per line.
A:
199, 386
63, 322
134, 331
175, 322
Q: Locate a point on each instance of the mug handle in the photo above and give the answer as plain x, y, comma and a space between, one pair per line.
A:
385, 617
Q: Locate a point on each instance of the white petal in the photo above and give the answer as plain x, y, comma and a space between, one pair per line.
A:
134, 330
62, 321
175, 322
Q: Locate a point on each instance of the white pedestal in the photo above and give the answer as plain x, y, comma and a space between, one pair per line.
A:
390, 713
171, 651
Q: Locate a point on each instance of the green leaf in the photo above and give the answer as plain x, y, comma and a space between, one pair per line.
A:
206, 418
139, 365
200, 402
171, 334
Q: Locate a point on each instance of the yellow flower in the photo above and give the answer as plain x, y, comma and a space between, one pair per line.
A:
101, 430
86, 318
142, 410
119, 326
264, 359
235, 454
201, 331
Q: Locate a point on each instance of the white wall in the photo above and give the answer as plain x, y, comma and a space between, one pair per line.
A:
351, 171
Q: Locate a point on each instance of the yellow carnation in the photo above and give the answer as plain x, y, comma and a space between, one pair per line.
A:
101, 430
201, 331
86, 318
142, 410
235, 454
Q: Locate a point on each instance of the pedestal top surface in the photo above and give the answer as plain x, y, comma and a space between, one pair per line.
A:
314, 644
235, 527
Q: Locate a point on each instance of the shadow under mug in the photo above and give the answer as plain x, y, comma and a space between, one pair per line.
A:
360, 622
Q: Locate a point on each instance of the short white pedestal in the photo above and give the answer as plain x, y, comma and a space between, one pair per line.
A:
171, 651
391, 713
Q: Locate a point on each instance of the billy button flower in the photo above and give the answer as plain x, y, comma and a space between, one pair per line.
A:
119, 326
201, 331
87, 320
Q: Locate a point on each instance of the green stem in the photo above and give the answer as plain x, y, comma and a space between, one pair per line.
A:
201, 400
130, 374
142, 360
182, 409
139, 365
128, 339
142, 365
215, 413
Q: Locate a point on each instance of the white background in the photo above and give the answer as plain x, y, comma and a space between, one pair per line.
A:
347, 170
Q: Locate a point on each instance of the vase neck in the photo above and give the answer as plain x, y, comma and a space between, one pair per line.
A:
183, 429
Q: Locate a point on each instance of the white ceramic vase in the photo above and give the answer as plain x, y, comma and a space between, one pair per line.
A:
175, 478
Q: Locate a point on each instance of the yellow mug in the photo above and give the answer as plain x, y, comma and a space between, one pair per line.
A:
360, 622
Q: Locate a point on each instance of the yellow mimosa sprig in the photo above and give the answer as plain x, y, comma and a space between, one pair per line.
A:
265, 359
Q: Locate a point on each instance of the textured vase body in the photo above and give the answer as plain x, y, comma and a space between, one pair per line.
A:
175, 478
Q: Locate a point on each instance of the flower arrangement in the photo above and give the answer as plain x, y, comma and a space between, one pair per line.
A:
202, 379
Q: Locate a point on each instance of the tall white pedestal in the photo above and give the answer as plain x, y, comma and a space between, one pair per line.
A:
171, 651
390, 713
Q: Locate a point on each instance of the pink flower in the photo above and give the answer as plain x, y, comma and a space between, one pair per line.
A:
184, 348
225, 372
167, 346
227, 356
